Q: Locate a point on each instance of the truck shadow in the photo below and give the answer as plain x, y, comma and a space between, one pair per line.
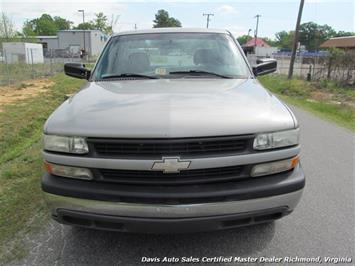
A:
112, 247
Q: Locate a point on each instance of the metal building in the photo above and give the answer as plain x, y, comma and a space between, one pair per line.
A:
69, 43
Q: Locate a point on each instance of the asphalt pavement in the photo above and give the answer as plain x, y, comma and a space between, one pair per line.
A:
322, 224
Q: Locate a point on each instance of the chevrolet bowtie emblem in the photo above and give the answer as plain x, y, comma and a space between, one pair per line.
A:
171, 165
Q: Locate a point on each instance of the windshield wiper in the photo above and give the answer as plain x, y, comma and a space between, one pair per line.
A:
200, 72
128, 75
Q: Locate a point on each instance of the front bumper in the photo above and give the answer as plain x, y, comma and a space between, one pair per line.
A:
255, 201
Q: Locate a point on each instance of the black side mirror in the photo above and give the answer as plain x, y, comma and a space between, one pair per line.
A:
77, 70
265, 66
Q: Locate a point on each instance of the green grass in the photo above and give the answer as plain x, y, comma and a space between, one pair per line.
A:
17, 72
20, 159
337, 105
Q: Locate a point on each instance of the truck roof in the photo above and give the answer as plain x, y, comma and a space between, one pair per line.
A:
171, 30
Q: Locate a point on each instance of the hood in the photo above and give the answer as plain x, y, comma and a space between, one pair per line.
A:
167, 108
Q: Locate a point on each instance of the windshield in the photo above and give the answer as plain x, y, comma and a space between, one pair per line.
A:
171, 55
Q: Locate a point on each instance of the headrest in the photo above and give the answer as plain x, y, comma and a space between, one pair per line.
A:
138, 62
205, 56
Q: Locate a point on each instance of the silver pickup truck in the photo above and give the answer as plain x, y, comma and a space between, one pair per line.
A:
171, 133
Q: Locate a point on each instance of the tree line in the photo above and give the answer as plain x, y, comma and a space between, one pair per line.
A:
311, 35
48, 25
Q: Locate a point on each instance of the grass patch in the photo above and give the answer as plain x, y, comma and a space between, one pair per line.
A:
17, 72
21, 127
324, 98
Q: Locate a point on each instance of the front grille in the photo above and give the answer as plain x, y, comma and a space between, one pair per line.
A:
157, 148
185, 177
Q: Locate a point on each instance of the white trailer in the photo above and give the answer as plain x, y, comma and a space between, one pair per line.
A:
22, 52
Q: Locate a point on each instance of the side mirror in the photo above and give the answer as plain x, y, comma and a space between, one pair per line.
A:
77, 70
265, 66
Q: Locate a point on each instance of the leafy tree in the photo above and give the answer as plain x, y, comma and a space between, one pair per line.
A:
344, 33
45, 25
284, 39
244, 39
270, 41
162, 20
62, 24
85, 26
312, 35
101, 23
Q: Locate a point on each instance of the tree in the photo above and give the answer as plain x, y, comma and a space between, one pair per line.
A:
7, 29
270, 41
335, 54
101, 23
284, 39
45, 25
62, 24
85, 26
312, 35
344, 33
244, 39
162, 20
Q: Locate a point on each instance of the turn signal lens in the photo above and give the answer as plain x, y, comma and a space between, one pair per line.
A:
68, 171
274, 167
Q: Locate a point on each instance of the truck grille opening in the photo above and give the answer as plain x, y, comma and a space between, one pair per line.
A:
168, 147
185, 177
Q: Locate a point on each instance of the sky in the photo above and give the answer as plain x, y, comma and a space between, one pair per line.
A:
238, 16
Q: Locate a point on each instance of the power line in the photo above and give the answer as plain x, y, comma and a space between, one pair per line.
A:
208, 18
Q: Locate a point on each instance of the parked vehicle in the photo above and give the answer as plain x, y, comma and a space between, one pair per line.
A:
171, 133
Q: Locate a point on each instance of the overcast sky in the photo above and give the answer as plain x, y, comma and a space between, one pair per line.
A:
237, 16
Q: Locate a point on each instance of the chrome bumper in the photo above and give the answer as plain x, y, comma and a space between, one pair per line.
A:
56, 202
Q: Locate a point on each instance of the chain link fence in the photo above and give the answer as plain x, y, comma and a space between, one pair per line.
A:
12, 73
317, 68
340, 69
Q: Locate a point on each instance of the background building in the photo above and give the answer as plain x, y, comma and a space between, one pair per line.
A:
259, 47
22, 52
68, 43
346, 43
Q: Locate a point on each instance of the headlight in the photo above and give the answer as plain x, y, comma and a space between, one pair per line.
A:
274, 167
278, 139
76, 145
68, 171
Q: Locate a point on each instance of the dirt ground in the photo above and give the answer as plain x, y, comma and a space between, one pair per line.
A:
27, 89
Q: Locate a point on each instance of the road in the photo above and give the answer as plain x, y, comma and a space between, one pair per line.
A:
322, 224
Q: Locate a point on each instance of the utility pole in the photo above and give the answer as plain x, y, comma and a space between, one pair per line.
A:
208, 18
256, 29
295, 40
82, 11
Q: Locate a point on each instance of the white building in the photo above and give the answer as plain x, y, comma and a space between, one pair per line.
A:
22, 52
72, 41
